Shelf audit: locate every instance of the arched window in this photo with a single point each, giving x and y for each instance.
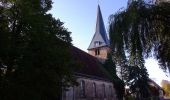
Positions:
(82, 88)
(94, 90)
(97, 51)
(111, 91)
(104, 90)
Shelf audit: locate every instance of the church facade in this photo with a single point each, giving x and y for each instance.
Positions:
(94, 81)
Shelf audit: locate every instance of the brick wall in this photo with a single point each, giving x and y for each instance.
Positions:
(74, 92)
(103, 52)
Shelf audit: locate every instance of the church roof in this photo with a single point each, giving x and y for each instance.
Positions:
(90, 66)
(100, 33)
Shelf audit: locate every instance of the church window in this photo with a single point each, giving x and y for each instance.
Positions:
(97, 52)
(111, 91)
(82, 88)
(94, 90)
(104, 90)
(97, 43)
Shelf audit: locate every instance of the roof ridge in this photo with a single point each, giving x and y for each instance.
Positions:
(90, 64)
(85, 52)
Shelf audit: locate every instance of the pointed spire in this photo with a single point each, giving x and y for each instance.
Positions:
(100, 28)
(100, 36)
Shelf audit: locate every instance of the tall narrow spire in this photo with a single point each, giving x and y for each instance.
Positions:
(100, 38)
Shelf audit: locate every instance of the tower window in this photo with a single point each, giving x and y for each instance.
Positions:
(97, 43)
(97, 52)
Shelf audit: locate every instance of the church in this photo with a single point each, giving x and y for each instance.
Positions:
(93, 79)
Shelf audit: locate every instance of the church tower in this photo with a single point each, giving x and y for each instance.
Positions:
(99, 46)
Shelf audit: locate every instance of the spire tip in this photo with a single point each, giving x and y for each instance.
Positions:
(98, 2)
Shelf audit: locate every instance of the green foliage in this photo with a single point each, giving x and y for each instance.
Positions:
(160, 34)
(34, 50)
(145, 24)
(110, 66)
(140, 31)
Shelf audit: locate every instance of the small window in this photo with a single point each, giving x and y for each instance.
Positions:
(97, 52)
(97, 43)
(94, 90)
(82, 88)
(104, 91)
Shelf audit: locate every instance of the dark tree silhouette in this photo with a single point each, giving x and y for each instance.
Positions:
(140, 31)
(119, 85)
(34, 50)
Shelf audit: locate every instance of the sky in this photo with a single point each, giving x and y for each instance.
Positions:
(79, 17)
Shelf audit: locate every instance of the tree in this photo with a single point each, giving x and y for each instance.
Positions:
(34, 49)
(152, 24)
(140, 31)
(110, 66)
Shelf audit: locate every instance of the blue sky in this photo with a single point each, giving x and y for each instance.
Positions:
(79, 17)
